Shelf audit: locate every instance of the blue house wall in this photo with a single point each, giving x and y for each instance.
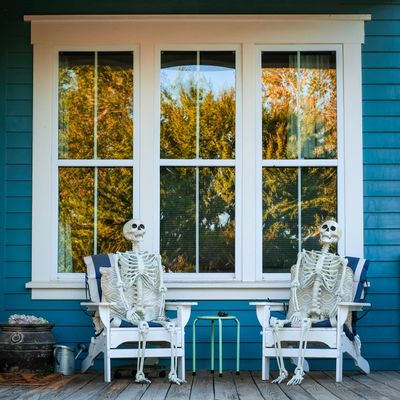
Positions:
(380, 329)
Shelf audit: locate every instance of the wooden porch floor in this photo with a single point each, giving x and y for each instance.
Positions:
(204, 386)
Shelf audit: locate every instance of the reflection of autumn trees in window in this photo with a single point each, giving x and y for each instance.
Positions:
(95, 122)
(197, 123)
(213, 116)
(298, 122)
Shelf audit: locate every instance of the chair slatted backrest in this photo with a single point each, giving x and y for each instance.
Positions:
(93, 275)
(360, 270)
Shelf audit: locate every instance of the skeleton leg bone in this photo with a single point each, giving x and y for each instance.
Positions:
(299, 372)
(143, 331)
(170, 326)
(283, 374)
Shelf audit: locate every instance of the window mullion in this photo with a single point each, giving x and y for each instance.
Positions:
(95, 199)
(197, 157)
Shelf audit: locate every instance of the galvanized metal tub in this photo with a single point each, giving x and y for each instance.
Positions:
(26, 347)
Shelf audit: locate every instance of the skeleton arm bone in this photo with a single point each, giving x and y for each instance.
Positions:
(295, 284)
(162, 288)
(119, 282)
(340, 291)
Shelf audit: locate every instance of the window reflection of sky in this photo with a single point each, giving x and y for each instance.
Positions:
(210, 78)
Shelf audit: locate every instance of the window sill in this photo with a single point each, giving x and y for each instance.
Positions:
(177, 290)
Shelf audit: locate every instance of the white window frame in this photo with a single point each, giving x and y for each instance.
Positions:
(234, 163)
(145, 36)
(88, 163)
(338, 162)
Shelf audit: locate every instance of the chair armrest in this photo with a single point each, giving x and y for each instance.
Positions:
(183, 308)
(354, 306)
(103, 309)
(263, 310)
(344, 309)
(94, 304)
(173, 305)
(274, 306)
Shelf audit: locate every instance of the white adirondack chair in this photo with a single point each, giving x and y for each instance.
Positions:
(108, 338)
(325, 340)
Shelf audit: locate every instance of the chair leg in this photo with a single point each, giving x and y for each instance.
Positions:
(265, 369)
(107, 367)
(339, 368)
(181, 367)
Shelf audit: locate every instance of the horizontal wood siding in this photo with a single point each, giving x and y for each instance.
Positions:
(380, 329)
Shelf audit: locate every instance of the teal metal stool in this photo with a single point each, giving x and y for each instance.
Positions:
(214, 318)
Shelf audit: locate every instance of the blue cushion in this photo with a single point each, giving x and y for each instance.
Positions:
(126, 324)
(329, 323)
(360, 269)
(93, 275)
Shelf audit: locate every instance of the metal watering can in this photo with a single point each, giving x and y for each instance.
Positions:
(64, 359)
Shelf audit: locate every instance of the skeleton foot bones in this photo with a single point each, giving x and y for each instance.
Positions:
(320, 280)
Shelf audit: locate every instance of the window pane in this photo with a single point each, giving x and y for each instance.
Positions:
(317, 85)
(279, 105)
(213, 242)
(114, 208)
(217, 219)
(75, 218)
(280, 218)
(281, 199)
(115, 105)
(95, 105)
(319, 202)
(94, 203)
(76, 105)
(197, 104)
(178, 219)
(299, 116)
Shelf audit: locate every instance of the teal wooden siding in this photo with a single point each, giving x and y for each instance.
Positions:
(380, 329)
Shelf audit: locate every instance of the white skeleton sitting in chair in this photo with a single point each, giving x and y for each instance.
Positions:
(319, 281)
(135, 286)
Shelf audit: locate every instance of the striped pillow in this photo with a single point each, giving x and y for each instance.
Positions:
(360, 269)
(93, 275)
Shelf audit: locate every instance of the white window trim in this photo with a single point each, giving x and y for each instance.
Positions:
(338, 162)
(144, 34)
(235, 163)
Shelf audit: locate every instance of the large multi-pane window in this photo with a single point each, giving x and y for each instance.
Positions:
(231, 137)
(95, 154)
(197, 166)
(299, 151)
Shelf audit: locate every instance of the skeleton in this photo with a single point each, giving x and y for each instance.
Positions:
(136, 289)
(319, 281)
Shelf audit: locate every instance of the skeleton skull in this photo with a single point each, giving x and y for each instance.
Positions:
(330, 232)
(134, 230)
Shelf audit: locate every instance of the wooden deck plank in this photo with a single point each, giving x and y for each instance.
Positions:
(296, 392)
(246, 387)
(85, 392)
(112, 390)
(13, 393)
(134, 391)
(206, 386)
(40, 391)
(203, 386)
(389, 378)
(365, 391)
(378, 386)
(180, 392)
(157, 390)
(318, 391)
(73, 386)
(224, 387)
(267, 389)
(339, 390)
